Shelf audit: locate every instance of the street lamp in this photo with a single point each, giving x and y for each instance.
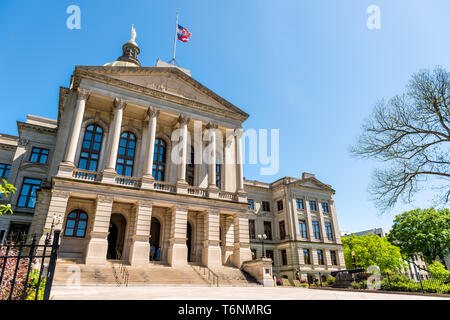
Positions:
(262, 238)
(57, 220)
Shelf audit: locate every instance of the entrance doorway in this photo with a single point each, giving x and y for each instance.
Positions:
(155, 234)
(188, 241)
(116, 237)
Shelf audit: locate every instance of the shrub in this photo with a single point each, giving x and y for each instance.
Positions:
(279, 282)
(304, 284)
(330, 281)
(438, 271)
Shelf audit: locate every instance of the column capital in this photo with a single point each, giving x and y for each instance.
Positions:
(183, 119)
(212, 125)
(238, 132)
(120, 103)
(83, 94)
(152, 112)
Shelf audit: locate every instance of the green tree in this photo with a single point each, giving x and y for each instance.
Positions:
(438, 271)
(5, 190)
(372, 250)
(424, 233)
(410, 135)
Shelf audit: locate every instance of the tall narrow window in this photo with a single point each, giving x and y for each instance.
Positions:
(125, 155)
(333, 257)
(251, 204)
(302, 225)
(190, 168)
(320, 257)
(282, 231)
(90, 149)
(76, 223)
(252, 229)
(300, 204)
(27, 198)
(284, 260)
(268, 229)
(313, 205)
(39, 155)
(306, 256)
(325, 207)
(329, 231)
(316, 229)
(218, 174)
(159, 160)
(266, 206)
(4, 171)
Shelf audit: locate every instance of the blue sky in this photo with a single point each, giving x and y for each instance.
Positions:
(309, 68)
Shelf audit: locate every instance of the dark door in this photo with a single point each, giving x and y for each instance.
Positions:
(112, 241)
(188, 241)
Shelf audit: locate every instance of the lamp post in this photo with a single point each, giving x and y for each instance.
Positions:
(56, 219)
(354, 258)
(262, 237)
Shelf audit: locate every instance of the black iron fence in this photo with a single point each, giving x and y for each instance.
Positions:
(27, 269)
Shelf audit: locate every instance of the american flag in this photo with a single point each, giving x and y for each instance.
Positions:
(183, 34)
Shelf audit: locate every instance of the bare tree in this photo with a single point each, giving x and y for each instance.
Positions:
(410, 133)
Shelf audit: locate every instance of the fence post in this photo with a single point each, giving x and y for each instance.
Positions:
(420, 279)
(52, 264)
(30, 263)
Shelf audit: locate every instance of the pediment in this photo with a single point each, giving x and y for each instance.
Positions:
(167, 80)
(314, 184)
(34, 167)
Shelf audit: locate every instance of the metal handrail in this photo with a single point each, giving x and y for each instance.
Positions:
(213, 278)
(123, 271)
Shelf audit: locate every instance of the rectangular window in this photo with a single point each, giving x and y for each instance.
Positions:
(252, 229)
(266, 206)
(329, 231)
(280, 205)
(306, 256)
(325, 207)
(320, 257)
(284, 257)
(313, 205)
(282, 231)
(39, 155)
(269, 254)
(316, 229)
(300, 204)
(251, 204)
(302, 225)
(333, 257)
(27, 198)
(268, 229)
(4, 170)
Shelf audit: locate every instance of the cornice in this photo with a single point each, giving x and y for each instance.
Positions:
(37, 128)
(83, 72)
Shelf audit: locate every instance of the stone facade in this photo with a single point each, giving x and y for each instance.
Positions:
(288, 206)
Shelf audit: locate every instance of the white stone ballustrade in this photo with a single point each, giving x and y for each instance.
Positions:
(196, 191)
(128, 181)
(165, 186)
(226, 195)
(86, 175)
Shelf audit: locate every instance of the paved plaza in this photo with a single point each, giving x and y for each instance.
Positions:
(220, 293)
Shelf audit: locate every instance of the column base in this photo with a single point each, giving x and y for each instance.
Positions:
(109, 176)
(241, 196)
(182, 187)
(212, 254)
(140, 251)
(177, 253)
(65, 170)
(213, 192)
(97, 249)
(148, 182)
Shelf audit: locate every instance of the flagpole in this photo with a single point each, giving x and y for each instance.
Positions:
(175, 40)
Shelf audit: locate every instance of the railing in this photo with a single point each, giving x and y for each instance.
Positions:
(196, 191)
(207, 274)
(164, 186)
(24, 273)
(81, 174)
(128, 181)
(123, 275)
(227, 195)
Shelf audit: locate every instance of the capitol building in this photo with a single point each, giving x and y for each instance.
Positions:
(143, 157)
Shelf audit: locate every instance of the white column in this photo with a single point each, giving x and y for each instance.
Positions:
(183, 120)
(239, 170)
(212, 161)
(241, 240)
(119, 105)
(140, 247)
(177, 251)
(212, 255)
(147, 179)
(83, 95)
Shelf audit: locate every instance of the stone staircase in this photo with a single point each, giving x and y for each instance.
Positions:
(230, 276)
(152, 274)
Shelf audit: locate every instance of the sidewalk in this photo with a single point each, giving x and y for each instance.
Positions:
(215, 293)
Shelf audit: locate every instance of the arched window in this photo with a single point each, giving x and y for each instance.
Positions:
(125, 156)
(76, 224)
(190, 168)
(90, 149)
(159, 160)
(218, 174)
